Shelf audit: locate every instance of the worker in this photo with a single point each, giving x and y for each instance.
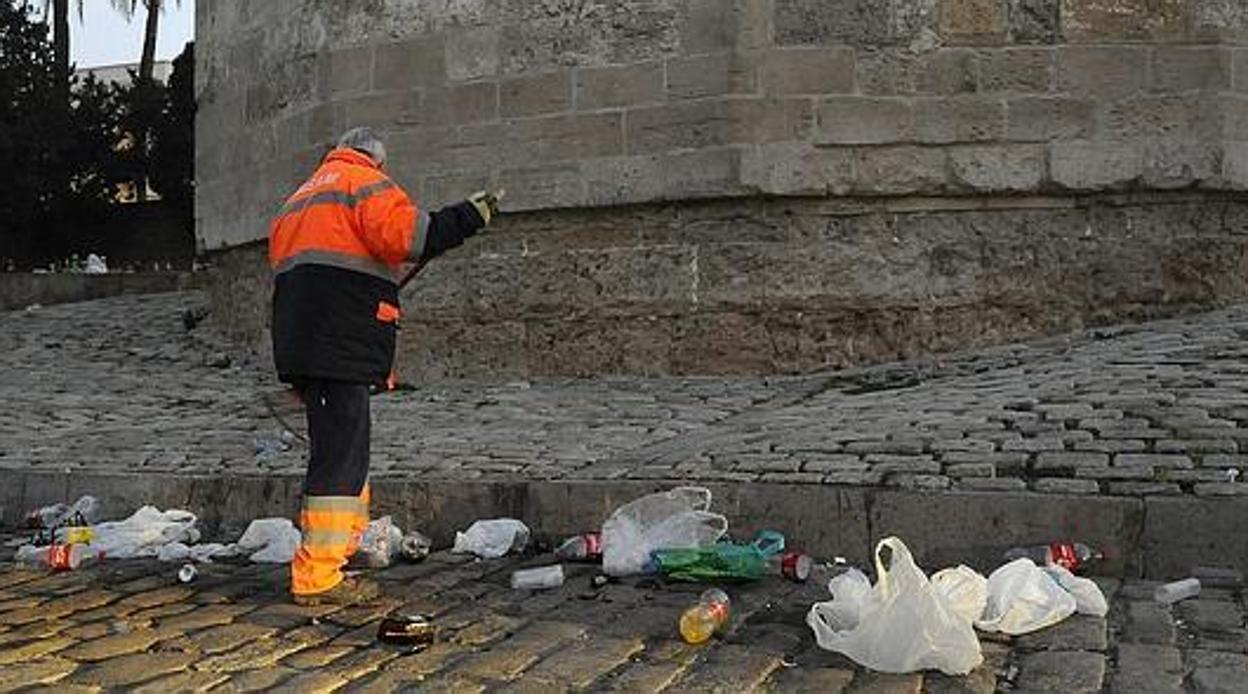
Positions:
(336, 248)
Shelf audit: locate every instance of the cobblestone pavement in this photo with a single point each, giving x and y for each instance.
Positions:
(1159, 408)
(131, 625)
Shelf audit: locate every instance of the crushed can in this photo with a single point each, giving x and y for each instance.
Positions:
(415, 631)
(415, 546)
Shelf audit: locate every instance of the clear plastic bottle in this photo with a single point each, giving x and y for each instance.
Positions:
(1171, 593)
(1071, 555)
(794, 566)
(540, 578)
(703, 620)
(583, 547)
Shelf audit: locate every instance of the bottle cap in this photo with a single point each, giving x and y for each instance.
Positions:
(795, 566)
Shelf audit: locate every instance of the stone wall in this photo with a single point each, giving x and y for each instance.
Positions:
(711, 186)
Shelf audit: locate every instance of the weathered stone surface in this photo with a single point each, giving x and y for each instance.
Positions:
(1064, 671)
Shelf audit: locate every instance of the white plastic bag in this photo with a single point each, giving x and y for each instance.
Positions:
(178, 551)
(964, 588)
(1022, 598)
(270, 541)
(676, 519)
(1089, 599)
(381, 542)
(903, 624)
(491, 539)
(144, 533)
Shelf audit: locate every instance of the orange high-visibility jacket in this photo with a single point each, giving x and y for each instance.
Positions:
(335, 248)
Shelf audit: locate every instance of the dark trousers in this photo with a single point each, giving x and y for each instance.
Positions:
(338, 434)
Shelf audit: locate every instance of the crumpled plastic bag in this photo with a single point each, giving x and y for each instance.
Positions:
(144, 533)
(675, 519)
(270, 541)
(381, 541)
(964, 588)
(203, 553)
(902, 624)
(1022, 598)
(1089, 599)
(491, 539)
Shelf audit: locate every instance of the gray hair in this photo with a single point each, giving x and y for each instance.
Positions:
(366, 141)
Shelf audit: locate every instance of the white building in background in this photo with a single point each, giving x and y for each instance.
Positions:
(120, 73)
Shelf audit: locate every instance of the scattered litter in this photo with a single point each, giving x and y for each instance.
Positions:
(583, 547)
(145, 532)
(270, 444)
(415, 546)
(538, 579)
(676, 519)
(56, 557)
(899, 625)
(707, 618)
(203, 553)
(381, 542)
(407, 630)
(84, 511)
(727, 561)
(1089, 599)
(1171, 593)
(1072, 555)
(270, 541)
(491, 539)
(1022, 598)
(187, 573)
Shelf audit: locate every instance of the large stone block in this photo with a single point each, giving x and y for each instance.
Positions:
(532, 95)
(973, 21)
(1033, 21)
(1239, 69)
(1102, 72)
(807, 71)
(1025, 70)
(949, 71)
(407, 64)
(853, 22)
(348, 71)
(863, 120)
(538, 187)
(619, 86)
(472, 54)
(900, 170)
(472, 102)
(709, 26)
(1190, 69)
(887, 72)
(958, 119)
(711, 123)
(1090, 165)
(590, 346)
(999, 168)
(797, 168)
(1160, 116)
(717, 74)
(1109, 20)
(1040, 119)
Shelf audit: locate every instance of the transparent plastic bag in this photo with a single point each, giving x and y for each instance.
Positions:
(1088, 597)
(903, 624)
(676, 519)
(270, 541)
(144, 533)
(381, 542)
(1022, 598)
(491, 539)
